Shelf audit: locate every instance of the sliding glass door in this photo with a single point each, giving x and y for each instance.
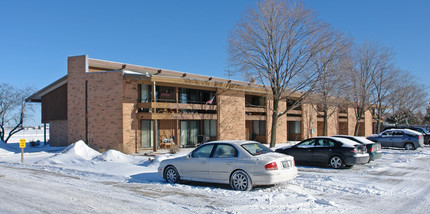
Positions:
(189, 132)
(147, 139)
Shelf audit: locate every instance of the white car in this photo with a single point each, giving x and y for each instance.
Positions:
(242, 164)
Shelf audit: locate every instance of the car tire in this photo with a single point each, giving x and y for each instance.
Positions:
(409, 146)
(171, 175)
(240, 180)
(336, 162)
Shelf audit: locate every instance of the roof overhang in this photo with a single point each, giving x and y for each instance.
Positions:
(37, 97)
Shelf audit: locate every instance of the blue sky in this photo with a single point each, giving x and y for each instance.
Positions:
(36, 37)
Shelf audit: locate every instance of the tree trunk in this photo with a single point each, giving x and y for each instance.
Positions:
(357, 127)
(274, 122)
(325, 130)
(378, 124)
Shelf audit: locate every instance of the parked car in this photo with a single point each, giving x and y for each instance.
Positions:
(373, 148)
(242, 164)
(423, 131)
(334, 151)
(401, 138)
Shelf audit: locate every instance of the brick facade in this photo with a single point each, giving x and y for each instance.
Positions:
(231, 114)
(309, 121)
(58, 133)
(77, 66)
(103, 109)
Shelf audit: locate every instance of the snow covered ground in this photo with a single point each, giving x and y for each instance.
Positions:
(78, 179)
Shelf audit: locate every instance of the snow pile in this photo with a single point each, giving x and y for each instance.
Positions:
(82, 150)
(78, 152)
(115, 156)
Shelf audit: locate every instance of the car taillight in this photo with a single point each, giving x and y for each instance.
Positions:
(371, 149)
(354, 150)
(418, 137)
(271, 166)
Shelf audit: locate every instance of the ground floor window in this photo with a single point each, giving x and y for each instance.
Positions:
(294, 130)
(259, 127)
(190, 130)
(147, 133)
(209, 128)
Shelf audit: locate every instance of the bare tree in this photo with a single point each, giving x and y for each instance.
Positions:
(384, 79)
(368, 60)
(407, 98)
(12, 110)
(277, 43)
(331, 84)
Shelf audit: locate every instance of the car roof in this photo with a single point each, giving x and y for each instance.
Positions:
(236, 142)
(408, 131)
(342, 140)
(361, 139)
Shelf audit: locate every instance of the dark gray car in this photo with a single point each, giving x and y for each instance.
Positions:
(401, 138)
(373, 148)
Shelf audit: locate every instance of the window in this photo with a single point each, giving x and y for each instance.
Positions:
(210, 128)
(324, 143)
(225, 151)
(145, 93)
(254, 101)
(147, 134)
(203, 152)
(165, 94)
(307, 143)
(256, 149)
(294, 127)
(259, 127)
(387, 134)
(189, 132)
(397, 134)
(195, 96)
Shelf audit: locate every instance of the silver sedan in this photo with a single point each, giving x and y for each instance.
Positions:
(242, 164)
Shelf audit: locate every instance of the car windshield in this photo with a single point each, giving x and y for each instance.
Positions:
(256, 149)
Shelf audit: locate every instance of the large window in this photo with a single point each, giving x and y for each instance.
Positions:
(147, 134)
(259, 127)
(165, 94)
(254, 101)
(210, 128)
(294, 127)
(189, 132)
(145, 93)
(195, 96)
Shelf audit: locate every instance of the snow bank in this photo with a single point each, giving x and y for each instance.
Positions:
(115, 156)
(82, 150)
(78, 152)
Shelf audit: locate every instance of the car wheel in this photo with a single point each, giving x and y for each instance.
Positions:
(171, 175)
(336, 162)
(409, 146)
(240, 180)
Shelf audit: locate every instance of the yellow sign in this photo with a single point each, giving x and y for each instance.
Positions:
(22, 143)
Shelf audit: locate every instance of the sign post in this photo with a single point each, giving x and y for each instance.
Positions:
(22, 146)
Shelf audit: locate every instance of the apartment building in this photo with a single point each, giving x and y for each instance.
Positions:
(133, 108)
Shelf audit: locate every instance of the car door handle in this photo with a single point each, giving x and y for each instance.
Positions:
(203, 162)
(229, 163)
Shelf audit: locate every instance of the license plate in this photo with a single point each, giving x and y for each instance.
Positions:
(286, 164)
